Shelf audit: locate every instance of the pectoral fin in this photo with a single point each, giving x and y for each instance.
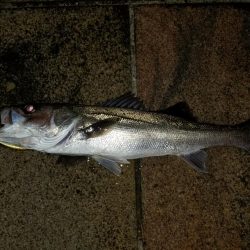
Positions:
(112, 164)
(197, 160)
(98, 128)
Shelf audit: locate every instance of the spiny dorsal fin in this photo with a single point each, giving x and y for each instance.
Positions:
(98, 128)
(128, 101)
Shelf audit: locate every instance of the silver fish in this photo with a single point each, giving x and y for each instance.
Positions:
(115, 132)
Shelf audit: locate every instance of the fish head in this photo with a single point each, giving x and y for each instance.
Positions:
(18, 122)
(34, 127)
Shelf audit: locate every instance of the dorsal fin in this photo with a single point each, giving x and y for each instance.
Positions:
(128, 101)
(180, 110)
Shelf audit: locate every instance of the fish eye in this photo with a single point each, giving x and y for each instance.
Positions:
(29, 109)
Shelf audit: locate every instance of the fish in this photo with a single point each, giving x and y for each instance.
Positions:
(116, 132)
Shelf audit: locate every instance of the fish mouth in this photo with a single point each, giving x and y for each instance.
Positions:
(5, 117)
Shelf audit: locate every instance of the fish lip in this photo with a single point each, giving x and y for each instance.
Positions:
(5, 117)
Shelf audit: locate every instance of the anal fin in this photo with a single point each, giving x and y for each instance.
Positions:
(197, 160)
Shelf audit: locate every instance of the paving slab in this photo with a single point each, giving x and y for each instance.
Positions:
(67, 56)
(200, 55)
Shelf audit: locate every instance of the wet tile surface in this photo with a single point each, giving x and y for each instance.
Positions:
(199, 55)
(70, 56)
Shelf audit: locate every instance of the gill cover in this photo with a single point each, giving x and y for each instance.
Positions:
(16, 117)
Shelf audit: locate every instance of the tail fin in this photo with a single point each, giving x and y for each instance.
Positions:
(245, 127)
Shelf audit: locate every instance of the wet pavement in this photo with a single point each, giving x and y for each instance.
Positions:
(89, 52)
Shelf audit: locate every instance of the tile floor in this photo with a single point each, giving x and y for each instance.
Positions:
(60, 51)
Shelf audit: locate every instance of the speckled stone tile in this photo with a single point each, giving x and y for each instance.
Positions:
(200, 55)
(77, 55)
(70, 56)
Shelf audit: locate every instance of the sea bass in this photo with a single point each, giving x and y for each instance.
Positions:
(118, 131)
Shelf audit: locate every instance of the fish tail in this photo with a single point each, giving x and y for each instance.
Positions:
(245, 129)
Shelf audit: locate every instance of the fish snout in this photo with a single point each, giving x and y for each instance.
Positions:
(5, 117)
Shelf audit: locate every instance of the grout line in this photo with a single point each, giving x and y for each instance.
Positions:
(138, 204)
(138, 183)
(81, 3)
(132, 49)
